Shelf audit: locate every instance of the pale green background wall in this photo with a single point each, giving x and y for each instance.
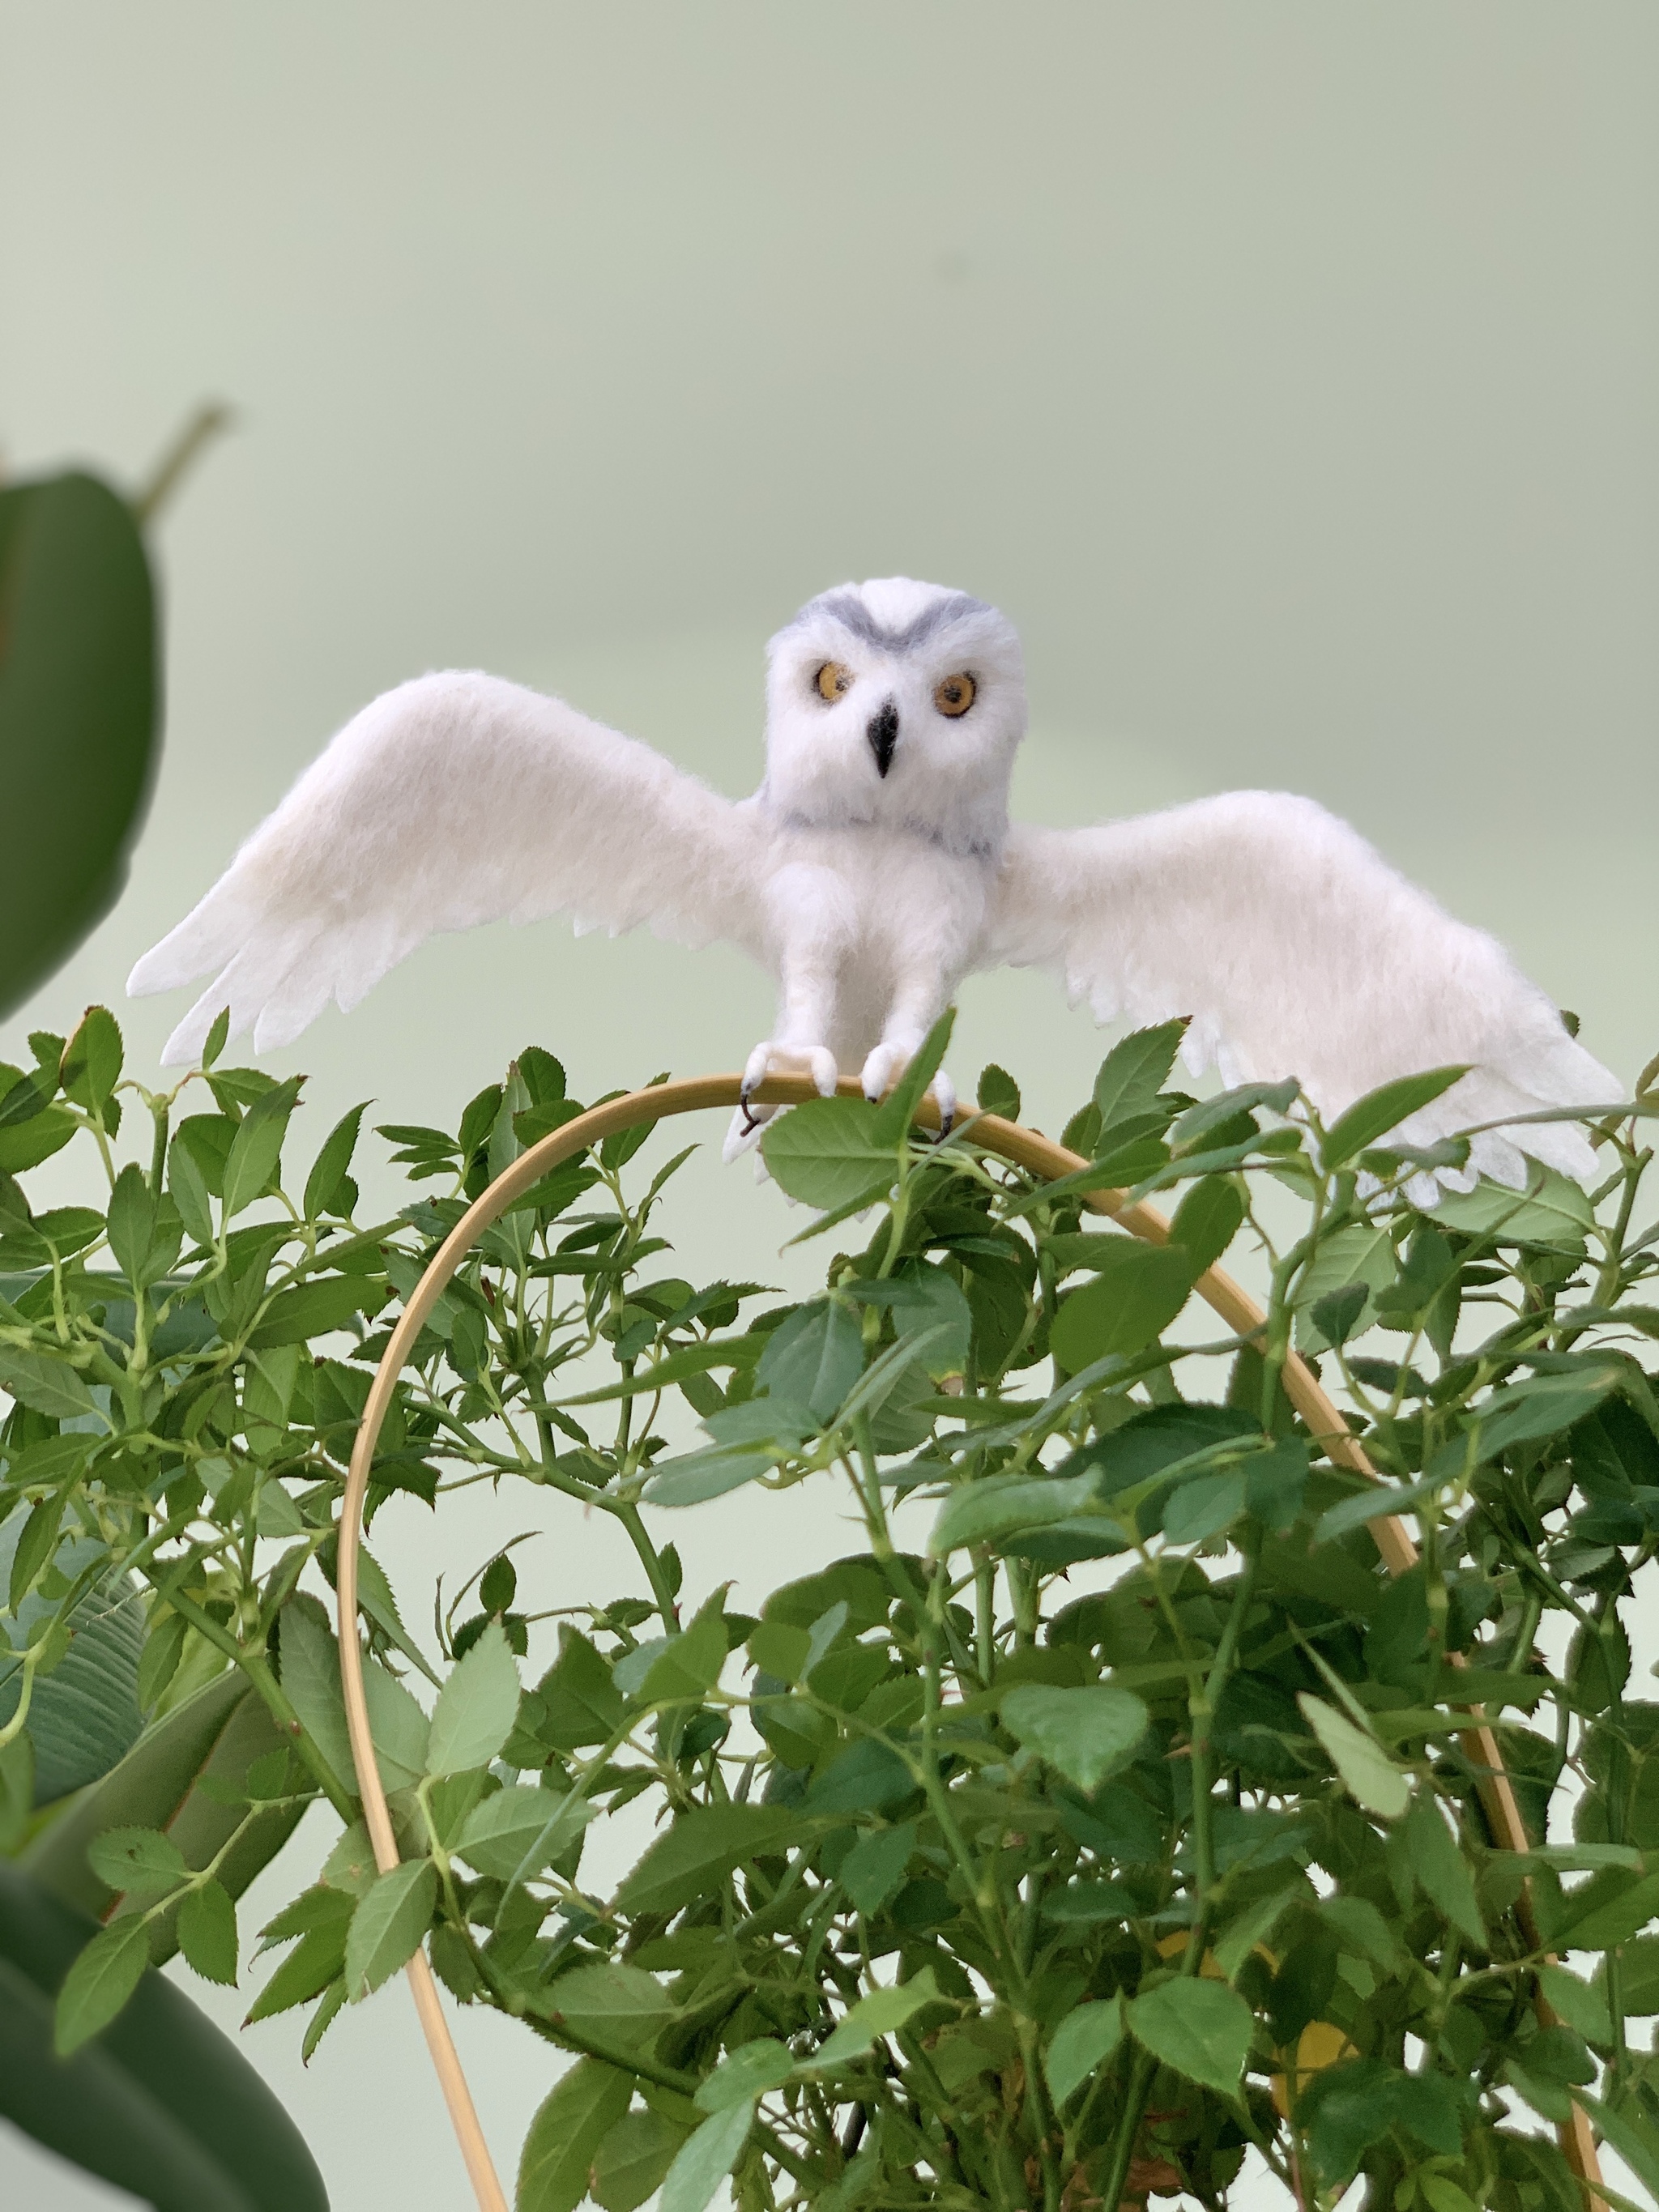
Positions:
(1288, 372)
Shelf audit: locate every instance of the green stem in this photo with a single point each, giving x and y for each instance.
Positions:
(651, 1560)
(1128, 2128)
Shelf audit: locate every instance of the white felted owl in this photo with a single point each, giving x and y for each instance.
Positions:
(873, 869)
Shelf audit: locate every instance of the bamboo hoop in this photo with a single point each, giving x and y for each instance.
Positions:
(1025, 1148)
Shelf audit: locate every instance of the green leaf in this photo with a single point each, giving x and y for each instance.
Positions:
(1633, 2141)
(694, 1858)
(311, 1676)
(816, 1356)
(1347, 2108)
(36, 1546)
(1543, 1406)
(706, 2158)
(880, 2014)
(1081, 2045)
(1363, 1255)
(475, 1707)
(1083, 1733)
(1594, 1921)
(145, 1230)
(188, 1189)
(678, 1367)
(92, 1060)
(99, 1984)
(631, 2162)
(44, 1384)
(621, 2006)
(387, 1925)
(983, 1511)
(161, 2104)
(998, 1092)
(696, 1477)
(583, 2106)
(1207, 1221)
(1370, 1118)
(207, 1933)
(828, 1153)
(80, 719)
(1203, 1508)
(867, 1778)
(1372, 1504)
(1442, 1872)
(744, 2074)
(1552, 1210)
(1202, 2029)
(515, 1832)
(140, 1861)
(1134, 1298)
(582, 1705)
(875, 1866)
(1370, 1777)
(329, 1168)
(257, 1147)
(687, 1665)
(315, 1308)
(1133, 1072)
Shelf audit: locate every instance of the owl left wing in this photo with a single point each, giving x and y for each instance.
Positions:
(1295, 949)
(455, 800)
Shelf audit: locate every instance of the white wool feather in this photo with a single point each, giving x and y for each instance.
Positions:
(872, 869)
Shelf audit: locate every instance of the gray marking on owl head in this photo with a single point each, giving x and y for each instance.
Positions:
(850, 612)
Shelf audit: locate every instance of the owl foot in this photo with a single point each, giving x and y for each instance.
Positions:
(816, 1060)
(883, 1069)
(767, 1060)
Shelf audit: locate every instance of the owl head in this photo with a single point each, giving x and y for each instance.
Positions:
(896, 703)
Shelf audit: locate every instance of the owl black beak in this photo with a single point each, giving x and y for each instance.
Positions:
(883, 733)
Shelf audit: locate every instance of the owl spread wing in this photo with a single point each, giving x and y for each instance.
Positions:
(1297, 950)
(455, 800)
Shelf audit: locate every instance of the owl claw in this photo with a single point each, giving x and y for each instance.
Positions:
(883, 1069)
(815, 1061)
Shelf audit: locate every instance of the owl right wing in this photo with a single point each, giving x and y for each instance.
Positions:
(1295, 949)
(455, 800)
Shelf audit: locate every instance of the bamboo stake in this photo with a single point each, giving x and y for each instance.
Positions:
(1025, 1148)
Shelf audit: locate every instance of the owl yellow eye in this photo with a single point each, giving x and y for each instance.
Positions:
(834, 681)
(954, 696)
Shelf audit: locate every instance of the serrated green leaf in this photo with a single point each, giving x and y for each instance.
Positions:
(1082, 1733)
(572, 2121)
(1370, 1118)
(1132, 1299)
(828, 1153)
(1081, 2045)
(1369, 1776)
(387, 1925)
(207, 1933)
(475, 1707)
(99, 1984)
(880, 2014)
(631, 2162)
(705, 2159)
(44, 1385)
(1202, 2029)
(694, 1858)
(140, 1861)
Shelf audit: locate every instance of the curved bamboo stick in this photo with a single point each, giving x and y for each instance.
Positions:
(1026, 1148)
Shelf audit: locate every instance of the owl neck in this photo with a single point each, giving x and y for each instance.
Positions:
(970, 831)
